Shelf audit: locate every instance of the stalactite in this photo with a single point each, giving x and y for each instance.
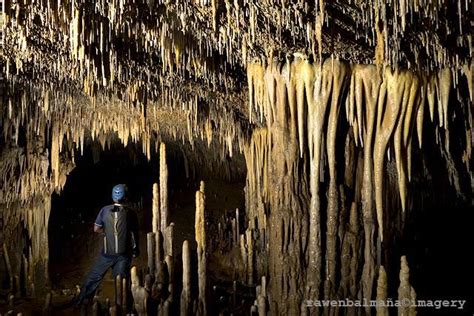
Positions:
(402, 134)
(303, 75)
(469, 73)
(444, 89)
(382, 110)
(339, 76)
(316, 115)
(420, 114)
(365, 85)
(55, 153)
(391, 92)
(320, 4)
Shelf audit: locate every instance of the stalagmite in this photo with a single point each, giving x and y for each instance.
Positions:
(250, 256)
(11, 301)
(118, 291)
(405, 290)
(96, 308)
(48, 303)
(151, 246)
(237, 228)
(112, 311)
(162, 276)
(125, 289)
(159, 249)
(170, 267)
(169, 232)
(186, 291)
(381, 309)
(163, 188)
(156, 220)
(350, 255)
(200, 232)
(8, 265)
(243, 251)
(139, 293)
(261, 298)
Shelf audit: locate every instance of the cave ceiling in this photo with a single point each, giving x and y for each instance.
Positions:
(154, 70)
(173, 51)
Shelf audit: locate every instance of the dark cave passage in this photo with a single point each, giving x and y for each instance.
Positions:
(74, 247)
(73, 244)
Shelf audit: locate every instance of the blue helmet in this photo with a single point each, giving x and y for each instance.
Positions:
(118, 192)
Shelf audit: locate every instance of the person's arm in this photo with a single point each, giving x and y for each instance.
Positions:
(99, 222)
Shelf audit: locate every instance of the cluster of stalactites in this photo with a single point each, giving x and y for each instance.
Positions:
(62, 122)
(257, 157)
(34, 216)
(82, 41)
(85, 38)
(383, 107)
(420, 26)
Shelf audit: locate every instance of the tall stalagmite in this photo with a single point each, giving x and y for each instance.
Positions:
(200, 232)
(163, 189)
(186, 302)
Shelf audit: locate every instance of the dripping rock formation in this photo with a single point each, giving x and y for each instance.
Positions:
(284, 157)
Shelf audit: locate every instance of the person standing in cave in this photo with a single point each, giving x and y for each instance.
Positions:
(119, 226)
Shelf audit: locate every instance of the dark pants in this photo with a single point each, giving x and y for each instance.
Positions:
(120, 265)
